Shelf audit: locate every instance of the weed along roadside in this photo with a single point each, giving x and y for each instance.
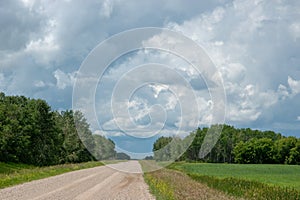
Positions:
(171, 184)
(185, 181)
(13, 174)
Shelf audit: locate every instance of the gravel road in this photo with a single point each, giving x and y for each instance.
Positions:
(104, 182)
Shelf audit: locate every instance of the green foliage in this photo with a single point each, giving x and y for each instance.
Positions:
(283, 148)
(28, 131)
(33, 134)
(44, 140)
(161, 148)
(233, 146)
(104, 148)
(74, 144)
(148, 158)
(122, 156)
(294, 155)
(170, 148)
(257, 151)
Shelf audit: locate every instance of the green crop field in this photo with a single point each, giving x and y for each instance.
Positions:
(280, 175)
(250, 181)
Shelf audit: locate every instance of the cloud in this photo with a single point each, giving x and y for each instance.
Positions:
(238, 38)
(64, 80)
(157, 94)
(283, 91)
(250, 93)
(235, 72)
(107, 8)
(39, 84)
(294, 85)
(158, 89)
(43, 50)
(254, 45)
(295, 30)
(44, 36)
(19, 25)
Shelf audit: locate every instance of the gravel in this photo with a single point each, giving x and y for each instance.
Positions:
(115, 181)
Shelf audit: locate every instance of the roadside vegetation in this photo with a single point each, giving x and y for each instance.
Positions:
(244, 146)
(13, 174)
(160, 188)
(31, 133)
(244, 163)
(167, 184)
(229, 181)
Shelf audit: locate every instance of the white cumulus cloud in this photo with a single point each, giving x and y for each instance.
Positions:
(64, 80)
(294, 85)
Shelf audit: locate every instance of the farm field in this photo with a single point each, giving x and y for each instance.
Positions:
(246, 181)
(278, 175)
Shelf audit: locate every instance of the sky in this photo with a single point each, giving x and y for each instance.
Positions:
(253, 44)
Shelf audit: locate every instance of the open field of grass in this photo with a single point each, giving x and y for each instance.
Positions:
(13, 174)
(247, 181)
(280, 175)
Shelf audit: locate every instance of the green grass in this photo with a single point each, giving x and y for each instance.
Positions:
(247, 181)
(8, 168)
(278, 175)
(13, 174)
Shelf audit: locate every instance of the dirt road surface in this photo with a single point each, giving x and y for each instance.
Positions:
(104, 182)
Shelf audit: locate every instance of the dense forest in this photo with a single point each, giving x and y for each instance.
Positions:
(31, 133)
(233, 146)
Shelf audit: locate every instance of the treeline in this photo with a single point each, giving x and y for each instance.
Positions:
(122, 156)
(233, 146)
(31, 133)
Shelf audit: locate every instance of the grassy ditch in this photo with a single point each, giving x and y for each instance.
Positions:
(13, 174)
(166, 184)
